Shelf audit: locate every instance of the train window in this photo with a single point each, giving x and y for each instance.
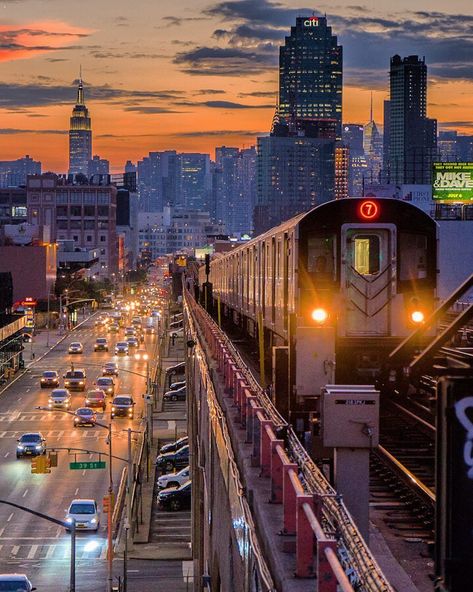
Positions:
(321, 256)
(366, 260)
(413, 265)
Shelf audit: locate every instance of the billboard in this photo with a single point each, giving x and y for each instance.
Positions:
(452, 181)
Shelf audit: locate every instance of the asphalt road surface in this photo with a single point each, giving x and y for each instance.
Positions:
(34, 546)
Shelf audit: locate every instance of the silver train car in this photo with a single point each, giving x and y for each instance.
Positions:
(336, 288)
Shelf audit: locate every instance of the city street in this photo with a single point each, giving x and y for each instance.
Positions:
(32, 545)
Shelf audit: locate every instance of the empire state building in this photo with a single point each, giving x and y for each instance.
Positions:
(80, 135)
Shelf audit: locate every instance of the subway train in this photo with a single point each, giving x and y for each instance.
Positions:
(335, 288)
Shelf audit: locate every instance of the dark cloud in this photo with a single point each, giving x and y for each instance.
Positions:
(260, 93)
(133, 55)
(455, 124)
(212, 133)
(176, 21)
(210, 91)
(39, 95)
(369, 40)
(150, 110)
(12, 131)
(225, 61)
(122, 21)
(232, 105)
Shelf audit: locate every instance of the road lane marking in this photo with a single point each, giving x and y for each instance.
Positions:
(50, 552)
(7, 454)
(32, 552)
(15, 550)
(83, 473)
(10, 517)
(26, 492)
(77, 491)
(1, 531)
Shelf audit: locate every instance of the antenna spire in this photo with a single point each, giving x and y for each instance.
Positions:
(80, 89)
(371, 107)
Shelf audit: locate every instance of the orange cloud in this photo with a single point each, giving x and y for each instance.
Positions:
(29, 40)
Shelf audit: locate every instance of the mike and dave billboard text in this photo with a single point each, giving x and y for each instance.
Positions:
(452, 181)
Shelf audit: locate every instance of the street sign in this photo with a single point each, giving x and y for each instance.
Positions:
(90, 464)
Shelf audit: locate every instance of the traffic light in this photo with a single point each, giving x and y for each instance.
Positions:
(52, 456)
(40, 464)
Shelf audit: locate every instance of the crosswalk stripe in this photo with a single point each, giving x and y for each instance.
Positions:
(50, 552)
(15, 550)
(32, 552)
(103, 554)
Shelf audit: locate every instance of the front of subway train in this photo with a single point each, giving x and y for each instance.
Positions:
(367, 278)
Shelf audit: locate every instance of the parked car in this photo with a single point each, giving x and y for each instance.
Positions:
(173, 460)
(76, 348)
(31, 444)
(177, 385)
(176, 498)
(123, 406)
(101, 344)
(174, 373)
(75, 380)
(49, 378)
(176, 395)
(172, 446)
(85, 513)
(110, 369)
(174, 479)
(59, 398)
(106, 384)
(15, 583)
(121, 348)
(85, 416)
(96, 398)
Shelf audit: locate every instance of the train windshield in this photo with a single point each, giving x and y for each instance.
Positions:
(366, 254)
(321, 256)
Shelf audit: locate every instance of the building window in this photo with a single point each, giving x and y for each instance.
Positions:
(61, 197)
(61, 211)
(103, 198)
(76, 197)
(89, 211)
(89, 224)
(75, 237)
(88, 238)
(89, 197)
(103, 238)
(103, 251)
(62, 224)
(102, 211)
(76, 211)
(75, 224)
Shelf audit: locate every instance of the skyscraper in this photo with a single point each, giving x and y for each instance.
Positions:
(310, 73)
(373, 148)
(413, 136)
(80, 135)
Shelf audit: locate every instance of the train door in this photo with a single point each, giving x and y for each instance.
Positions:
(368, 274)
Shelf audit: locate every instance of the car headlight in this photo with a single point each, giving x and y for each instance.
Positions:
(38, 447)
(87, 401)
(67, 383)
(110, 389)
(20, 447)
(81, 382)
(93, 521)
(69, 520)
(43, 380)
(113, 408)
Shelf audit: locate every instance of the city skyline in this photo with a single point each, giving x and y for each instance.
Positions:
(157, 80)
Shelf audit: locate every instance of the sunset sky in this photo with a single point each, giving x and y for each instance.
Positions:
(190, 75)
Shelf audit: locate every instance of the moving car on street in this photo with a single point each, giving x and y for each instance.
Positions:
(50, 378)
(85, 416)
(96, 398)
(123, 406)
(106, 384)
(132, 342)
(110, 369)
(85, 513)
(122, 349)
(176, 498)
(31, 444)
(75, 380)
(173, 460)
(15, 583)
(174, 479)
(76, 347)
(114, 328)
(101, 344)
(59, 398)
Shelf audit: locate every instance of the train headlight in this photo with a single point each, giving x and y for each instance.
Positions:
(417, 317)
(319, 315)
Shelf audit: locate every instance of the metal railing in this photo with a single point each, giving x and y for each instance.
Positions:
(353, 553)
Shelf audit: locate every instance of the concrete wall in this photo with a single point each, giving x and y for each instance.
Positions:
(33, 269)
